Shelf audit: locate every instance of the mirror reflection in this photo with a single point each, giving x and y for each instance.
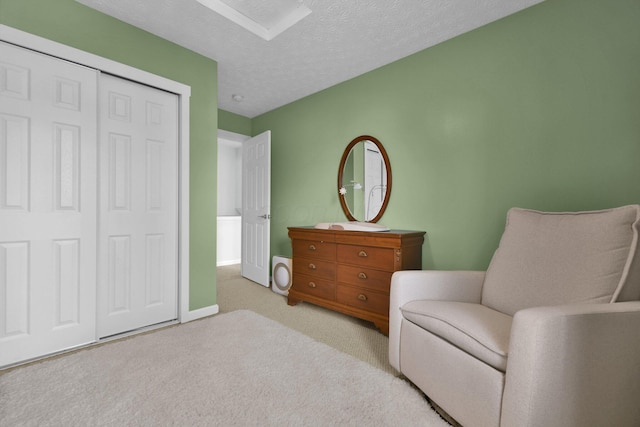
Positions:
(364, 179)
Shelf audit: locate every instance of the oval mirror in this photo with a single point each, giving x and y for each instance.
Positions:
(364, 180)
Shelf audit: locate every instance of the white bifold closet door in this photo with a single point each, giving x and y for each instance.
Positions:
(47, 204)
(88, 205)
(137, 271)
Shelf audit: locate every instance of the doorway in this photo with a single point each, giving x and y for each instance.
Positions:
(229, 220)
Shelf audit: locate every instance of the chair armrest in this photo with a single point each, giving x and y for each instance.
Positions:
(411, 285)
(574, 365)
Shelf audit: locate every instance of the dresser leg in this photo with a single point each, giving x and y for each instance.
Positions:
(382, 326)
(292, 301)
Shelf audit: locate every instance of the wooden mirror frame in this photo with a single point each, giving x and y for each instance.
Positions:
(387, 164)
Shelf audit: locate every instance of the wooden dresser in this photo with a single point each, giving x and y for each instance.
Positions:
(350, 271)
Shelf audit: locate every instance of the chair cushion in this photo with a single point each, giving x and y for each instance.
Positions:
(552, 258)
(473, 328)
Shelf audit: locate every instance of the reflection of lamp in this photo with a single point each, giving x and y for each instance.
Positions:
(354, 184)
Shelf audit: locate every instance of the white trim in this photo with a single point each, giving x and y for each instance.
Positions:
(67, 53)
(232, 136)
(200, 313)
(51, 48)
(183, 242)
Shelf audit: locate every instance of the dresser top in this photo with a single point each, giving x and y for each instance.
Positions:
(374, 238)
(321, 230)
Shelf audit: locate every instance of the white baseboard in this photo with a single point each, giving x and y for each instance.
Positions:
(200, 313)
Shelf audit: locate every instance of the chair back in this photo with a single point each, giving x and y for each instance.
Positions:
(553, 258)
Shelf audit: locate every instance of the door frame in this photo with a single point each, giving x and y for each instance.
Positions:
(49, 47)
(234, 138)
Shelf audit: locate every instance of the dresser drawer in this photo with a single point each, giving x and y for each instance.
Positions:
(363, 299)
(364, 277)
(314, 249)
(316, 268)
(368, 256)
(314, 286)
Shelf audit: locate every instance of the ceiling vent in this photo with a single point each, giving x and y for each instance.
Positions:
(266, 19)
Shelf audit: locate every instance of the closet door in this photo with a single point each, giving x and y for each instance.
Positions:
(47, 204)
(138, 252)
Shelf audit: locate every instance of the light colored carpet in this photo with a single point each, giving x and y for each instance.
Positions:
(356, 337)
(233, 369)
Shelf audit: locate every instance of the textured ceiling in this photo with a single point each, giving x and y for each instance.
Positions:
(339, 40)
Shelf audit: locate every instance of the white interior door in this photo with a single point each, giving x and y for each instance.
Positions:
(47, 204)
(138, 253)
(256, 207)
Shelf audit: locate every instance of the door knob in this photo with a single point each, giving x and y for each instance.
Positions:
(265, 216)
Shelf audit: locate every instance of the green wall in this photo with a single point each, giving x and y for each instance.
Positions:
(76, 25)
(538, 110)
(234, 122)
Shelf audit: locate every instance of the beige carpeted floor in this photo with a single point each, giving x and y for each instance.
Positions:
(233, 369)
(353, 336)
(158, 378)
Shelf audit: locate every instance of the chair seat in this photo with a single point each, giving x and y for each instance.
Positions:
(478, 330)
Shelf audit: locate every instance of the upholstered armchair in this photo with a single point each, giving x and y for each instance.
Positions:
(548, 336)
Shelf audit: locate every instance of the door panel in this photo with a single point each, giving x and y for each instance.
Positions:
(256, 208)
(138, 281)
(47, 204)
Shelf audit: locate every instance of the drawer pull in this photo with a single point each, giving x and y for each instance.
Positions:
(312, 285)
(362, 276)
(362, 297)
(312, 266)
(312, 247)
(362, 254)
